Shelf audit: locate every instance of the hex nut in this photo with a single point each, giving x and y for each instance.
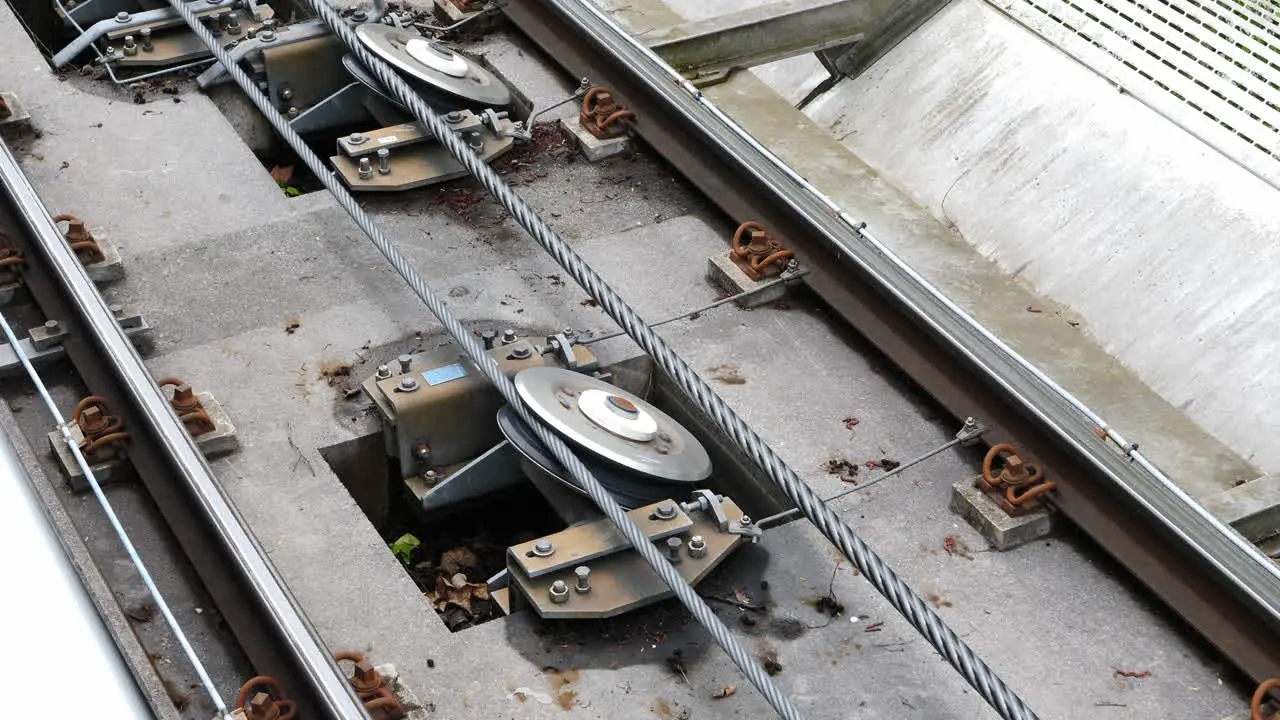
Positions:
(559, 592)
(697, 547)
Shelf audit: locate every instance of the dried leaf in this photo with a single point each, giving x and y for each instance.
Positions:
(282, 173)
(724, 692)
(457, 592)
(458, 560)
(742, 598)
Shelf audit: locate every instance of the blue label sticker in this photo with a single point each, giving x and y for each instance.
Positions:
(444, 373)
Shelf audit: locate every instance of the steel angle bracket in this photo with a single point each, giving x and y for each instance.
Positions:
(619, 579)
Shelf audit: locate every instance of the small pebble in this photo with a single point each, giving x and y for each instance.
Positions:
(764, 584)
(431, 663)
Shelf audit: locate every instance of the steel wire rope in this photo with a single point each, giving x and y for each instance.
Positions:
(475, 351)
(945, 640)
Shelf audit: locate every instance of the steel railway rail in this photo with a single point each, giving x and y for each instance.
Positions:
(273, 632)
(1219, 582)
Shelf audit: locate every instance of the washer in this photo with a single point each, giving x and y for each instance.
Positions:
(434, 67)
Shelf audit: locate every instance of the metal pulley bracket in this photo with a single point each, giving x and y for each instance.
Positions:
(548, 573)
(411, 160)
(562, 348)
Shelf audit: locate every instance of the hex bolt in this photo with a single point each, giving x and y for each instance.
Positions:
(508, 337)
(745, 521)
(408, 384)
(569, 334)
(261, 706)
(422, 451)
(697, 547)
(130, 47)
(365, 169)
(583, 573)
(673, 549)
(145, 33)
(269, 24)
(357, 139)
(453, 117)
(51, 327)
(286, 92)
(406, 361)
(490, 338)
(384, 372)
(666, 510)
(212, 25)
(233, 25)
(521, 353)
(474, 141)
(544, 548)
(123, 17)
(366, 677)
(293, 112)
(384, 161)
(360, 16)
(267, 36)
(559, 592)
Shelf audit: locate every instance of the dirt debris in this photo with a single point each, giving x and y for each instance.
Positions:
(955, 546)
(291, 325)
(727, 375)
(724, 692)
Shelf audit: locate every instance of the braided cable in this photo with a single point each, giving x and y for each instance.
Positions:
(978, 674)
(489, 366)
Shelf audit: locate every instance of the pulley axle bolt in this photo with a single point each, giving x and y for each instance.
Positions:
(357, 139)
(384, 161)
(508, 337)
(544, 548)
(130, 47)
(583, 573)
(408, 384)
(365, 169)
(384, 372)
(697, 547)
(123, 17)
(267, 35)
(673, 549)
(666, 511)
(145, 33)
(559, 592)
(406, 361)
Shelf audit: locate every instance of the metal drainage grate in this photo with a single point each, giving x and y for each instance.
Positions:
(1211, 66)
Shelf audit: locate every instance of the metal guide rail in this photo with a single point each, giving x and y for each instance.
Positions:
(1208, 573)
(257, 606)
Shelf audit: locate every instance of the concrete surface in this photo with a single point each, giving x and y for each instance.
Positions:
(221, 262)
(1161, 246)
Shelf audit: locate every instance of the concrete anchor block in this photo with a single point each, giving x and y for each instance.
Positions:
(1252, 508)
(111, 269)
(112, 471)
(17, 111)
(222, 440)
(1000, 529)
(414, 710)
(593, 148)
(729, 277)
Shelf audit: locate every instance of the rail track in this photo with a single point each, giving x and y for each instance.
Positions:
(1221, 584)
